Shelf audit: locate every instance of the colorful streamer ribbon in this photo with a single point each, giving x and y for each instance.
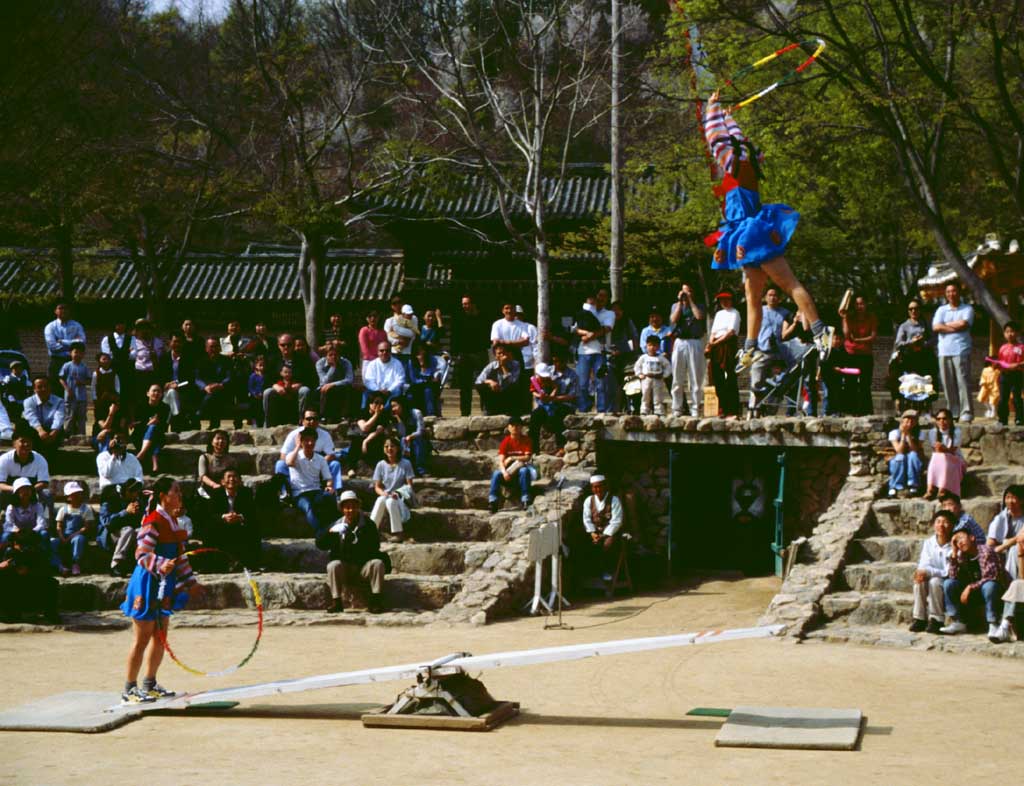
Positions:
(789, 77)
(162, 635)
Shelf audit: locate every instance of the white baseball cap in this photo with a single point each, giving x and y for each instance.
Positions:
(73, 487)
(407, 309)
(520, 310)
(21, 483)
(347, 495)
(543, 370)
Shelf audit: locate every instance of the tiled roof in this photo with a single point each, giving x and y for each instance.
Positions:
(351, 275)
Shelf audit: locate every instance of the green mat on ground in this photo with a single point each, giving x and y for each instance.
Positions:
(710, 712)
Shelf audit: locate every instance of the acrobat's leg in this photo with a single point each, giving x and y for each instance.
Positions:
(779, 271)
(754, 280)
(142, 633)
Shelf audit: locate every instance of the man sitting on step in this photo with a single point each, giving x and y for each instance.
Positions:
(353, 544)
(932, 569)
(964, 521)
(976, 573)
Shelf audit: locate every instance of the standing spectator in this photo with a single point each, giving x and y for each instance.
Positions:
(16, 386)
(952, 322)
(76, 523)
(150, 427)
(118, 344)
(432, 332)
(859, 332)
(24, 512)
(594, 334)
(412, 434)
(469, 341)
(145, 354)
(530, 349)
(305, 362)
(176, 371)
(554, 402)
(191, 343)
(324, 447)
(230, 522)
(425, 380)
(510, 333)
(652, 369)
(392, 482)
(214, 463)
(907, 464)
(625, 346)
(115, 466)
(106, 387)
(515, 466)
(723, 344)
(402, 328)
(370, 337)
(384, 375)
(656, 326)
(353, 546)
(310, 479)
(60, 334)
(23, 462)
(975, 572)
(837, 380)
(913, 349)
(120, 516)
(774, 320)
(234, 349)
(688, 364)
(286, 354)
(335, 388)
(255, 388)
(499, 386)
(1011, 377)
(213, 378)
(45, 413)
(334, 335)
(75, 379)
(932, 571)
(946, 467)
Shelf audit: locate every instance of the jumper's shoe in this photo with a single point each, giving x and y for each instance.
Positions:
(823, 342)
(918, 626)
(953, 628)
(745, 358)
(160, 692)
(999, 634)
(135, 695)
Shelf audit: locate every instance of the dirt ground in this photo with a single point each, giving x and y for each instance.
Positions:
(612, 720)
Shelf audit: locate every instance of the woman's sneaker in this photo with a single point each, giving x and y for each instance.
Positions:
(823, 342)
(134, 695)
(160, 692)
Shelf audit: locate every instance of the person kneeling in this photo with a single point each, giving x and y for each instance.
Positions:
(353, 544)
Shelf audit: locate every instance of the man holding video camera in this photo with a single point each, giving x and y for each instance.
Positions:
(688, 362)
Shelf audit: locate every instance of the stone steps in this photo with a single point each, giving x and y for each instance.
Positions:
(302, 556)
(278, 590)
(882, 636)
(880, 576)
(991, 480)
(914, 516)
(886, 548)
(868, 608)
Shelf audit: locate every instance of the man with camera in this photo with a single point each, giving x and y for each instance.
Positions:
(688, 363)
(116, 465)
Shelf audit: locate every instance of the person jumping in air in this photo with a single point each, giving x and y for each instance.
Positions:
(753, 237)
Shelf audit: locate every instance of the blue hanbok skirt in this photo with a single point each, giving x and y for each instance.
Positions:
(752, 233)
(141, 602)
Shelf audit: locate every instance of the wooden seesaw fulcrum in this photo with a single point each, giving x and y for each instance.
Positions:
(444, 695)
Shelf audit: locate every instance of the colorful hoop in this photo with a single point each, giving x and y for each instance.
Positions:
(789, 77)
(162, 635)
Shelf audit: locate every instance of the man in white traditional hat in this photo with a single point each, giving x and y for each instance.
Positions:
(353, 543)
(602, 520)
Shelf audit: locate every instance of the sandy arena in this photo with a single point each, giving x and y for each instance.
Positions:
(614, 720)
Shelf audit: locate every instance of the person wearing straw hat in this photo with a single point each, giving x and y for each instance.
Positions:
(721, 348)
(353, 544)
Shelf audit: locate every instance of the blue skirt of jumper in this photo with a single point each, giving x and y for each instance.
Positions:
(140, 602)
(752, 233)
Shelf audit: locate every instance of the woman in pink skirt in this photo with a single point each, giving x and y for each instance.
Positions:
(947, 467)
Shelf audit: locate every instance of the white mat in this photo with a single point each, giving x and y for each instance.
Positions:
(812, 728)
(79, 711)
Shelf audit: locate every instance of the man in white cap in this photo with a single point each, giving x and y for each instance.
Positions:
(353, 543)
(602, 520)
(553, 404)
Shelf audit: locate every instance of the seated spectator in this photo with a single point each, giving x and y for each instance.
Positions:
(1011, 376)
(26, 578)
(312, 487)
(1005, 534)
(412, 434)
(964, 521)
(116, 422)
(906, 466)
(555, 394)
(392, 482)
(913, 349)
(370, 338)
(335, 376)
(6, 425)
(284, 397)
(213, 378)
(652, 369)
(24, 512)
(23, 462)
(230, 522)
(602, 520)
(286, 355)
(499, 386)
(75, 378)
(425, 374)
(150, 427)
(115, 465)
(304, 362)
(515, 466)
(45, 413)
(176, 371)
(324, 447)
(353, 546)
(932, 569)
(255, 387)
(373, 428)
(120, 516)
(386, 375)
(106, 387)
(214, 463)
(76, 523)
(946, 468)
(976, 572)
(15, 387)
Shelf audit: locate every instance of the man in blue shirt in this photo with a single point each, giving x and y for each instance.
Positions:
(952, 324)
(45, 413)
(60, 335)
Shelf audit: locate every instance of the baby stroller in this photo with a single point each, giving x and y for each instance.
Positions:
(916, 391)
(786, 388)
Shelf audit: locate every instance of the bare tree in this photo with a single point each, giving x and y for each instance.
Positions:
(505, 80)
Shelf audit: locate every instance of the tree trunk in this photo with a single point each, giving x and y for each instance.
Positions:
(311, 284)
(617, 206)
(65, 263)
